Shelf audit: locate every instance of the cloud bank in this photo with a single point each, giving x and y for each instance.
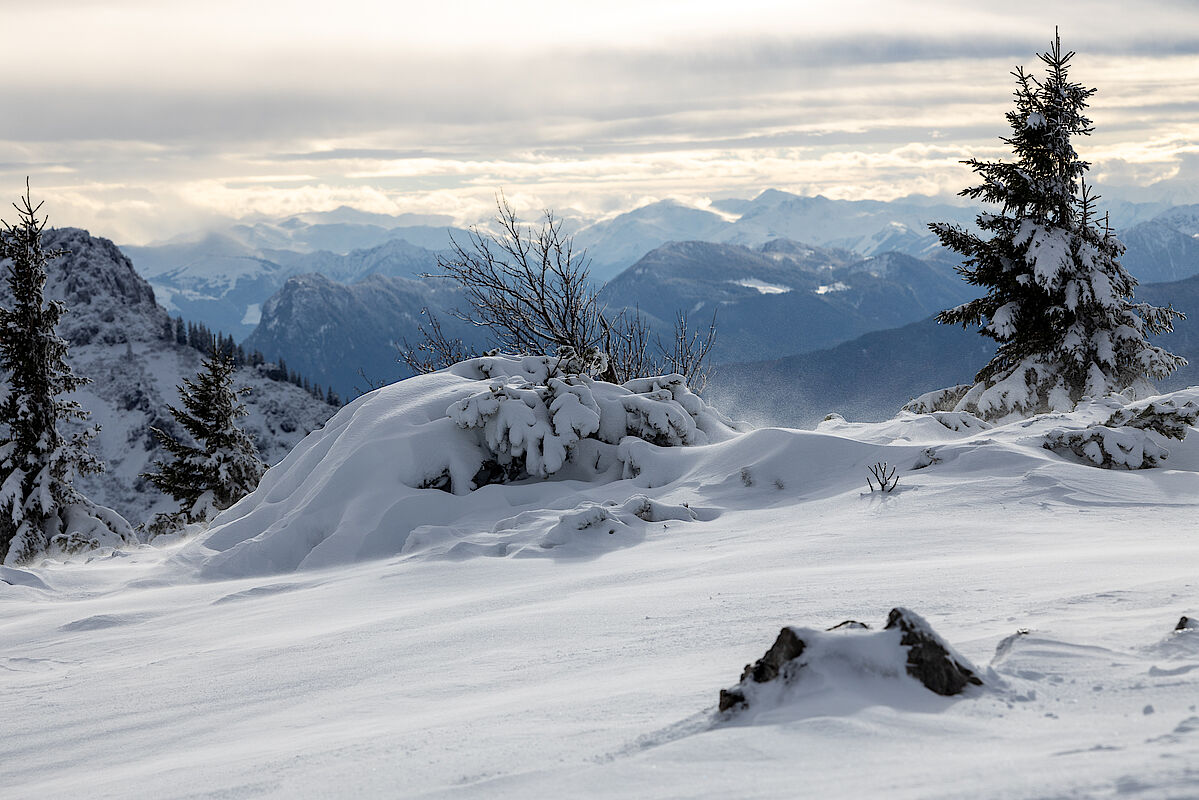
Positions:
(142, 119)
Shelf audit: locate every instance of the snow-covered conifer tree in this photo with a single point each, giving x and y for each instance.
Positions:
(223, 466)
(1058, 302)
(39, 507)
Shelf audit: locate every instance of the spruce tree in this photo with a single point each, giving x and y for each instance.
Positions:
(222, 466)
(39, 507)
(1058, 302)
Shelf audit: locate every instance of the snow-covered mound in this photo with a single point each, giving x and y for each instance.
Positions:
(404, 468)
(510, 457)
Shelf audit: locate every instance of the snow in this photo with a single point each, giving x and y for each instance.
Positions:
(838, 286)
(762, 286)
(253, 314)
(1048, 250)
(356, 488)
(339, 633)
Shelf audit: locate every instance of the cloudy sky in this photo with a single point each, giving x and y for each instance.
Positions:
(140, 119)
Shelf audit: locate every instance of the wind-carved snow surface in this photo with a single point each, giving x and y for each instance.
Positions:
(569, 635)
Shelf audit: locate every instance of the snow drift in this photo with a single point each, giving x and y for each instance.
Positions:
(510, 457)
(360, 488)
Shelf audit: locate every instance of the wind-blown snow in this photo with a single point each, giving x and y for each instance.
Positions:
(569, 636)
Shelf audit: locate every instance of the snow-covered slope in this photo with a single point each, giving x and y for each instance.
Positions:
(118, 336)
(509, 649)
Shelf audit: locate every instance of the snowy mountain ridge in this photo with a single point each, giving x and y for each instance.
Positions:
(224, 282)
(119, 339)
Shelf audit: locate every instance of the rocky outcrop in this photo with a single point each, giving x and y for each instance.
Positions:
(926, 657)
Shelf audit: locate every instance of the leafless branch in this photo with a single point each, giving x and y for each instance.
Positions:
(532, 292)
(688, 352)
(435, 350)
(527, 286)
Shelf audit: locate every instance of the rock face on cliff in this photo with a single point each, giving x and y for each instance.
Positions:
(331, 330)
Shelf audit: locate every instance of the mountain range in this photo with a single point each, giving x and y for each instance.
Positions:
(223, 278)
(871, 377)
(785, 275)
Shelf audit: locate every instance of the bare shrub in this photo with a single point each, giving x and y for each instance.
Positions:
(531, 291)
(885, 475)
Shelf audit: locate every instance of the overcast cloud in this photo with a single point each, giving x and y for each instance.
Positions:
(140, 120)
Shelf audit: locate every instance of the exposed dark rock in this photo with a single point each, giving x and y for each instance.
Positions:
(929, 661)
(731, 698)
(1187, 624)
(849, 624)
(787, 646)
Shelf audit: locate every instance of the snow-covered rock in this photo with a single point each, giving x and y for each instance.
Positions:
(906, 648)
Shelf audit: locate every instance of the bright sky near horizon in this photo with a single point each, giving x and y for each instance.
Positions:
(140, 119)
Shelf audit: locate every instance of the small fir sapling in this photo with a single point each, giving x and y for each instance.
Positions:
(536, 411)
(222, 466)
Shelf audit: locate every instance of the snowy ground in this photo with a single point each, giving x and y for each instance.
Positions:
(592, 667)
